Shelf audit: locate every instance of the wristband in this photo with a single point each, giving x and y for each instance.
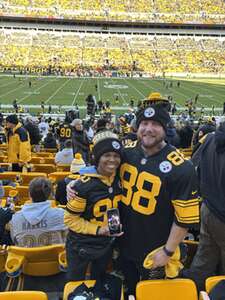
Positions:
(167, 252)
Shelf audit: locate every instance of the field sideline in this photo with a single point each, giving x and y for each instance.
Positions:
(67, 91)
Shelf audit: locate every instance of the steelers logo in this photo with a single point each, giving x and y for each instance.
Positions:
(165, 166)
(116, 145)
(149, 112)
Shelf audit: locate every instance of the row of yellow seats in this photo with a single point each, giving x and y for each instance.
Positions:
(50, 260)
(26, 177)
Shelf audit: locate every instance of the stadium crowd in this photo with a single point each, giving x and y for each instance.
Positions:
(158, 11)
(73, 53)
(99, 154)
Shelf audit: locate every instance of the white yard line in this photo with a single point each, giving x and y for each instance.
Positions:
(75, 97)
(1, 86)
(140, 93)
(67, 81)
(124, 100)
(11, 91)
(43, 85)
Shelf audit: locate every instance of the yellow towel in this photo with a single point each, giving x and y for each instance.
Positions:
(172, 268)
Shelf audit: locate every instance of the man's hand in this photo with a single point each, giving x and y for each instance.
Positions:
(160, 259)
(69, 191)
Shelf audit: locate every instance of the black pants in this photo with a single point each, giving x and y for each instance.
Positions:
(133, 272)
(77, 265)
(16, 168)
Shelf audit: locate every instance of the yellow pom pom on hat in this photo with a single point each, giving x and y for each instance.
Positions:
(155, 96)
(77, 163)
(173, 266)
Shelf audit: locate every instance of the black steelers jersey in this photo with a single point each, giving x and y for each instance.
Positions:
(157, 191)
(94, 197)
(64, 132)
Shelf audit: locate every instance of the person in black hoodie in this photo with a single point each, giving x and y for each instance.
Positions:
(209, 160)
(80, 139)
(50, 141)
(6, 214)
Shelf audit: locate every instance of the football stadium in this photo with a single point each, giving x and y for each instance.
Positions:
(112, 142)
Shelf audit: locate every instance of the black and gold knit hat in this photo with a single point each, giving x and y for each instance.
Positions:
(105, 141)
(155, 113)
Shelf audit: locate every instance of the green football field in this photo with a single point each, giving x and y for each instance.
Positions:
(65, 91)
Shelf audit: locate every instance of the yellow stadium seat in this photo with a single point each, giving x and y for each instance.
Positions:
(51, 150)
(35, 160)
(63, 168)
(23, 295)
(3, 146)
(169, 289)
(55, 176)
(3, 158)
(43, 154)
(37, 261)
(27, 177)
(5, 166)
(70, 286)
(14, 176)
(45, 168)
(212, 281)
(47, 160)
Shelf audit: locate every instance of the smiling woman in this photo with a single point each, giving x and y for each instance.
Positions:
(89, 239)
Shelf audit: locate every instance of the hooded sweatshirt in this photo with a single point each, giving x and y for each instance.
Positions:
(210, 162)
(38, 224)
(64, 157)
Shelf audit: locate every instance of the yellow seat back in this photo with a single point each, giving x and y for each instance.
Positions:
(166, 289)
(10, 175)
(45, 168)
(37, 261)
(212, 281)
(63, 168)
(27, 177)
(23, 295)
(55, 176)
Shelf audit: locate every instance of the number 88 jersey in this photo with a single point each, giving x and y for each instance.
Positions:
(157, 191)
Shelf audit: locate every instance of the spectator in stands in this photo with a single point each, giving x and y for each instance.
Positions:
(50, 141)
(37, 223)
(89, 240)
(65, 157)
(19, 148)
(201, 132)
(132, 135)
(76, 165)
(101, 125)
(43, 127)
(34, 132)
(210, 257)
(185, 134)
(6, 214)
(80, 140)
(171, 134)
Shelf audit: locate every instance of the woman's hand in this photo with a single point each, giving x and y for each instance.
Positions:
(105, 231)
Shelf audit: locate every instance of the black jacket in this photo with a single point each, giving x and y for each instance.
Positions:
(210, 162)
